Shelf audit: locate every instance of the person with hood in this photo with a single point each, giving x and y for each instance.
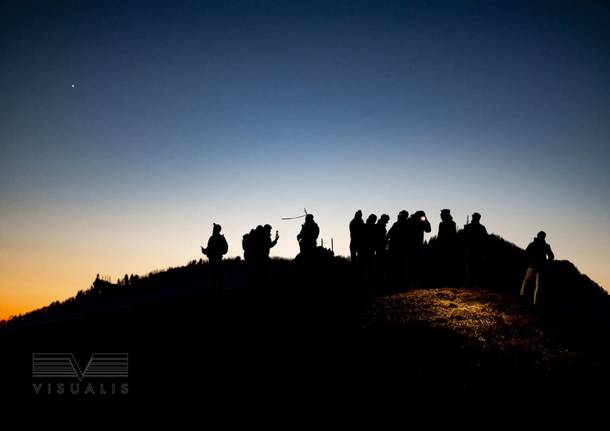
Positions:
(537, 253)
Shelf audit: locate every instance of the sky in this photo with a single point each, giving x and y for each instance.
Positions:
(127, 128)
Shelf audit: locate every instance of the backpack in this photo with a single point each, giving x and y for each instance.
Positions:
(223, 246)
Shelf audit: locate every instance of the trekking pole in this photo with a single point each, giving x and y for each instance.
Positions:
(297, 217)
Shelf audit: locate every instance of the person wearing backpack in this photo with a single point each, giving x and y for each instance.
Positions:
(537, 253)
(216, 249)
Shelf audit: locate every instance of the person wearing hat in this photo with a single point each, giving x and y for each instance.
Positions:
(538, 253)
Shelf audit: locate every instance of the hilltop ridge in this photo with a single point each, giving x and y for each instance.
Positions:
(332, 321)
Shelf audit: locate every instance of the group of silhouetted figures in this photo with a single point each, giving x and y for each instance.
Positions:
(382, 254)
(257, 245)
(392, 256)
(396, 254)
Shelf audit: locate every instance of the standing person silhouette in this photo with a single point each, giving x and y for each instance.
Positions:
(216, 249)
(267, 243)
(418, 225)
(262, 262)
(447, 236)
(538, 253)
(248, 243)
(356, 232)
(475, 236)
(368, 245)
(446, 228)
(308, 236)
(381, 246)
(398, 239)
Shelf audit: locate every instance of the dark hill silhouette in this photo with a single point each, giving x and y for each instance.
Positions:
(321, 317)
(566, 290)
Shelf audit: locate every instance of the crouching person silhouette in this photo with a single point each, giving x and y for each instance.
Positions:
(538, 253)
(216, 249)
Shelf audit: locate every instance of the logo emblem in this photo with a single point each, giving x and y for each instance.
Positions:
(100, 365)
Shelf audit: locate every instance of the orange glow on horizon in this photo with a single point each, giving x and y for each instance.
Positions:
(62, 255)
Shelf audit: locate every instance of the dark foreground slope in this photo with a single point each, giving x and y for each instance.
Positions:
(321, 328)
(494, 342)
(231, 345)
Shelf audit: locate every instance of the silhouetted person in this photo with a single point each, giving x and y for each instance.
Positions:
(216, 249)
(447, 238)
(475, 237)
(356, 232)
(417, 226)
(248, 244)
(398, 239)
(217, 245)
(257, 244)
(446, 228)
(538, 253)
(258, 248)
(368, 244)
(267, 244)
(381, 233)
(381, 244)
(261, 265)
(308, 236)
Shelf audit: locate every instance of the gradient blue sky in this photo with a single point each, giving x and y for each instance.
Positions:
(185, 113)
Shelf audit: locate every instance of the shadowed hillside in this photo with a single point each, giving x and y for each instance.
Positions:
(325, 316)
(566, 290)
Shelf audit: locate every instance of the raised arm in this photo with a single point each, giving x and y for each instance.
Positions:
(277, 236)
